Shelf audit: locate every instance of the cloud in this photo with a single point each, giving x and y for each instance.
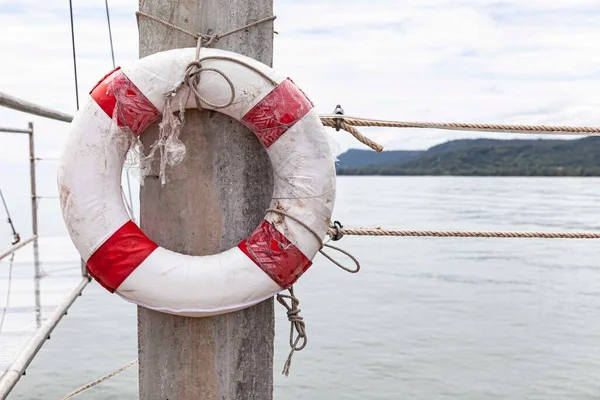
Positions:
(509, 61)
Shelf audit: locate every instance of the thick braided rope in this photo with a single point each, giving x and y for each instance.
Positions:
(98, 381)
(354, 132)
(526, 129)
(464, 234)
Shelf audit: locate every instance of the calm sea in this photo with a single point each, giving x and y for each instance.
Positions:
(424, 319)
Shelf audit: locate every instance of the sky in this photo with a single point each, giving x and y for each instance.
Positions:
(513, 61)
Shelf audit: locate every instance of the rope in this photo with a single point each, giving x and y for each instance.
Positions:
(193, 70)
(74, 56)
(191, 78)
(98, 381)
(296, 324)
(128, 202)
(321, 243)
(293, 312)
(348, 123)
(206, 38)
(7, 304)
(333, 232)
(16, 237)
(526, 129)
(112, 50)
(332, 123)
(172, 122)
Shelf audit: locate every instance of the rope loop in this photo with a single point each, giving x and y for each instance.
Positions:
(346, 253)
(298, 340)
(192, 80)
(193, 70)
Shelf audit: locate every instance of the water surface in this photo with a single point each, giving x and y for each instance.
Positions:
(424, 319)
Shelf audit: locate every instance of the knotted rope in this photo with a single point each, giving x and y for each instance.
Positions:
(172, 150)
(192, 74)
(293, 312)
(296, 324)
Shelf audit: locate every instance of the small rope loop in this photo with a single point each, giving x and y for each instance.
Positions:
(321, 243)
(339, 233)
(192, 80)
(297, 324)
(356, 262)
(193, 70)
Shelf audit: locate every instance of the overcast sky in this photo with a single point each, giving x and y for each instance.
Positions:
(514, 61)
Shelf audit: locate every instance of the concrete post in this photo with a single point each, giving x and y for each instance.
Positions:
(214, 199)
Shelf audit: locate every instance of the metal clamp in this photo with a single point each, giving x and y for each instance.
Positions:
(338, 121)
(338, 231)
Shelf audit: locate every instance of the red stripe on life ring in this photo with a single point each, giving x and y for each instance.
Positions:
(120, 98)
(277, 112)
(275, 255)
(119, 256)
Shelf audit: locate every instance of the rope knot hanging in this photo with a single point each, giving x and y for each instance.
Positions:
(293, 312)
(296, 324)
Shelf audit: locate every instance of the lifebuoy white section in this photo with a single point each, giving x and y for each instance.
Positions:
(89, 180)
(300, 189)
(117, 252)
(206, 280)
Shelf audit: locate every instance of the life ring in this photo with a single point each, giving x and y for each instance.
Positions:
(124, 260)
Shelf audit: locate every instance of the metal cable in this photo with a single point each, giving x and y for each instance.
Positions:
(10, 269)
(16, 236)
(128, 202)
(74, 55)
(112, 50)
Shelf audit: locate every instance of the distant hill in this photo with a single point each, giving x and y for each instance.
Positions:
(484, 157)
(363, 158)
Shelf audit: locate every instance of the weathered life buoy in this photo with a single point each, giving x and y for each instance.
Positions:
(124, 260)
